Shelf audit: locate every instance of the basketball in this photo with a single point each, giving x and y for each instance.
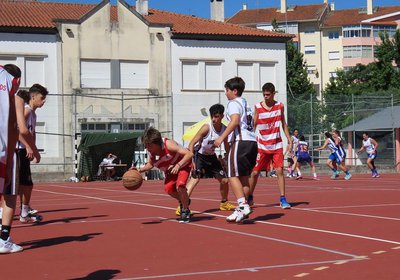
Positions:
(132, 180)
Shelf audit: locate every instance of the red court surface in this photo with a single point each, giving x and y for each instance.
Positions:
(336, 229)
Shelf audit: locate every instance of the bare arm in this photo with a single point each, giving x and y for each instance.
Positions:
(24, 134)
(235, 120)
(323, 146)
(373, 141)
(187, 155)
(199, 135)
(286, 131)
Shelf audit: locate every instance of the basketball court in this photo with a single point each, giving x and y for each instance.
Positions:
(336, 229)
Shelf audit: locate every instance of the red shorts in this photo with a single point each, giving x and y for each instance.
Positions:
(264, 161)
(174, 181)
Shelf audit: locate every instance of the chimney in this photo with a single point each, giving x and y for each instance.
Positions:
(244, 7)
(142, 7)
(332, 5)
(283, 6)
(217, 10)
(325, 1)
(370, 7)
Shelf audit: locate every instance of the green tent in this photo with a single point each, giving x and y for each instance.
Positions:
(95, 146)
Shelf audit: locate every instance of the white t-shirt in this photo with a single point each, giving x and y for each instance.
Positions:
(237, 106)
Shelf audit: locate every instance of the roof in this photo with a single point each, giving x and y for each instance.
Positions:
(43, 15)
(382, 120)
(354, 17)
(267, 15)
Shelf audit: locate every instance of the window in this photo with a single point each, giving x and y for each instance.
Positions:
(357, 52)
(311, 69)
(390, 29)
(246, 72)
(34, 71)
(267, 74)
(213, 75)
(113, 127)
(190, 75)
(333, 35)
(309, 49)
(309, 31)
(134, 74)
(95, 74)
(334, 55)
(352, 31)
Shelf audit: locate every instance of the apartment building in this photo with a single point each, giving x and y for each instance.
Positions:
(113, 68)
(329, 39)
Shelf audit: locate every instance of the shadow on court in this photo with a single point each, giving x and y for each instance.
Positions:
(35, 244)
(104, 274)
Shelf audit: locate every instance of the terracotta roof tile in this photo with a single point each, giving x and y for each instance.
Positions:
(43, 14)
(183, 24)
(354, 17)
(39, 14)
(267, 15)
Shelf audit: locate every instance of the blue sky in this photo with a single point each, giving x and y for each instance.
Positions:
(201, 8)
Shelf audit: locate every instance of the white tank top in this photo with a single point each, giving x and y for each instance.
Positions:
(369, 147)
(30, 124)
(206, 145)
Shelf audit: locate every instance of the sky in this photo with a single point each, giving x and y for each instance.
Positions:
(201, 8)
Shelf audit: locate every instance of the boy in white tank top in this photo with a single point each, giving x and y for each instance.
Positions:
(205, 160)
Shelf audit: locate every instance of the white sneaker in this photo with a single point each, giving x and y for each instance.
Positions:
(32, 211)
(9, 246)
(241, 212)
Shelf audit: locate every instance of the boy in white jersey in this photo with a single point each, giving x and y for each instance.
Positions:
(268, 119)
(34, 99)
(11, 123)
(291, 156)
(370, 146)
(205, 159)
(243, 147)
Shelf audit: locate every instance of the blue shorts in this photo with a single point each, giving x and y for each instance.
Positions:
(304, 158)
(335, 157)
(373, 156)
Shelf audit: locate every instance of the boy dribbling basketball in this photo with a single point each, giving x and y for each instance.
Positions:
(175, 161)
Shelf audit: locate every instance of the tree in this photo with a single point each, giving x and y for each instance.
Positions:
(304, 110)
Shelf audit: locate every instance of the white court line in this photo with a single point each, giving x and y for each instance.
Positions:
(354, 206)
(349, 214)
(251, 269)
(262, 222)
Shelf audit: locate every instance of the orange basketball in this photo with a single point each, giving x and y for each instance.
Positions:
(132, 180)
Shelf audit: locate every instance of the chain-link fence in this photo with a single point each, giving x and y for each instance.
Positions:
(377, 114)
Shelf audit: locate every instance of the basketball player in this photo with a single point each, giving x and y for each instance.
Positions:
(371, 147)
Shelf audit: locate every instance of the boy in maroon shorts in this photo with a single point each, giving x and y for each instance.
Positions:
(268, 119)
(175, 161)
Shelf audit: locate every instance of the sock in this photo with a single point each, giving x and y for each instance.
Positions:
(347, 172)
(5, 232)
(315, 175)
(334, 170)
(299, 173)
(250, 197)
(241, 200)
(24, 210)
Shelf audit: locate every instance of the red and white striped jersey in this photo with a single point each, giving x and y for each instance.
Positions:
(268, 128)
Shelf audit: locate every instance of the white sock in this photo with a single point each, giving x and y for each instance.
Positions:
(24, 210)
(241, 200)
(315, 175)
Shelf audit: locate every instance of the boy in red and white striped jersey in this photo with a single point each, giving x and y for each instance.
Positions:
(269, 117)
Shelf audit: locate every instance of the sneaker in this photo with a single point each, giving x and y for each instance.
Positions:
(316, 178)
(226, 206)
(178, 210)
(241, 213)
(273, 175)
(377, 175)
(32, 211)
(299, 177)
(30, 219)
(8, 246)
(348, 176)
(284, 204)
(185, 216)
